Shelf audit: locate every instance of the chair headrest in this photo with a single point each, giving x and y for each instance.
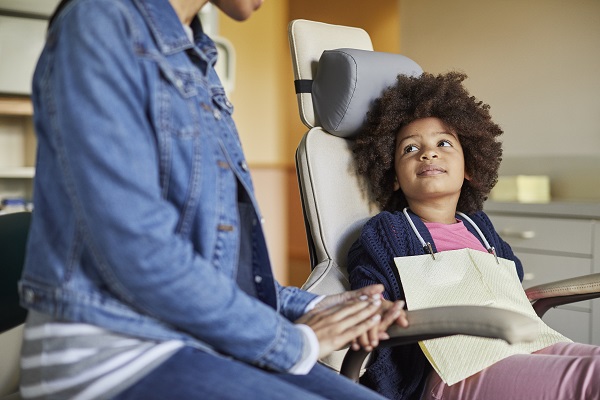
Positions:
(347, 82)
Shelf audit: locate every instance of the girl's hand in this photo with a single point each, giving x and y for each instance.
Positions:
(391, 313)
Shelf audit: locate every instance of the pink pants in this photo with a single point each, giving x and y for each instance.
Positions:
(564, 371)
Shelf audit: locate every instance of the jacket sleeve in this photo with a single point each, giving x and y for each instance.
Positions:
(293, 301)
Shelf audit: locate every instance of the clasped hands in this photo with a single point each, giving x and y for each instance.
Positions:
(359, 317)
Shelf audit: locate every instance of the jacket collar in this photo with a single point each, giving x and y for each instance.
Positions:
(168, 30)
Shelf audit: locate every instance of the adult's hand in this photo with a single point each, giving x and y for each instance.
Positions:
(368, 292)
(342, 323)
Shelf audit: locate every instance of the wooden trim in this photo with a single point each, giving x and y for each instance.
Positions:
(16, 106)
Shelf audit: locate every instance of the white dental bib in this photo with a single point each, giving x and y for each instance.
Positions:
(468, 277)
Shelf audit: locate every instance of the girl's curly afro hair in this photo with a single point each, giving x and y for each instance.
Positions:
(444, 97)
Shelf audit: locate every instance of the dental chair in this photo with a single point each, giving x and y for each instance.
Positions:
(337, 76)
(13, 237)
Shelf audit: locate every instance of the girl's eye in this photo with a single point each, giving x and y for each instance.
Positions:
(445, 143)
(410, 148)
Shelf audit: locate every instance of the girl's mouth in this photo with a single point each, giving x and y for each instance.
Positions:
(430, 169)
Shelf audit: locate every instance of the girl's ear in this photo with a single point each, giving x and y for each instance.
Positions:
(397, 184)
(467, 175)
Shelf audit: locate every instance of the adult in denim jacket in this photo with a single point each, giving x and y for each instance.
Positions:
(145, 220)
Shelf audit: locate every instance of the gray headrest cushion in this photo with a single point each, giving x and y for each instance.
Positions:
(348, 80)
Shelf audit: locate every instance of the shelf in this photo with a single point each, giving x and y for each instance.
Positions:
(19, 106)
(17, 172)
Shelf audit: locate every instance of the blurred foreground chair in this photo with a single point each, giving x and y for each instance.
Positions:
(13, 238)
(337, 76)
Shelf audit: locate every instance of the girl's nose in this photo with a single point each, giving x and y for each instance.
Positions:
(429, 154)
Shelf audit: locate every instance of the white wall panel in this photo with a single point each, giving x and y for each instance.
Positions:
(21, 42)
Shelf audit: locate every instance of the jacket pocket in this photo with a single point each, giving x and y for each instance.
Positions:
(184, 80)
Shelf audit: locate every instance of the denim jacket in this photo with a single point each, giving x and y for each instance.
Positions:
(140, 175)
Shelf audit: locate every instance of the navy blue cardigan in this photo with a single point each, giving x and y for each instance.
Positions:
(400, 372)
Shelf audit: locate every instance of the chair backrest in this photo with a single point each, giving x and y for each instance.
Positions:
(337, 77)
(308, 40)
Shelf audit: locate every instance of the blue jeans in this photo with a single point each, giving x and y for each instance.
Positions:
(194, 374)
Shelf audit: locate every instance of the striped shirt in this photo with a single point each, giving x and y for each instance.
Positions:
(81, 361)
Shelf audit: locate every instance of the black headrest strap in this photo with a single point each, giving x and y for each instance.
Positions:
(303, 85)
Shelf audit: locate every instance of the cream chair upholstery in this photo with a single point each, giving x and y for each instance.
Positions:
(337, 75)
(10, 349)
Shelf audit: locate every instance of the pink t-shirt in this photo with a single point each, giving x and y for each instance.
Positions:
(453, 236)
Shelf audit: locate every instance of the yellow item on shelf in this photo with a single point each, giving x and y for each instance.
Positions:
(522, 189)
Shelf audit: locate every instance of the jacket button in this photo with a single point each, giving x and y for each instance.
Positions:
(257, 278)
(244, 166)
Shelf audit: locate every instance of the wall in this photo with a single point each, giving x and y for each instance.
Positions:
(267, 116)
(260, 112)
(266, 111)
(536, 63)
(259, 97)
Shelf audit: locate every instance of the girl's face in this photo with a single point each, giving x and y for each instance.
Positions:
(429, 162)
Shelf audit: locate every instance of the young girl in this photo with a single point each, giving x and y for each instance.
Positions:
(430, 152)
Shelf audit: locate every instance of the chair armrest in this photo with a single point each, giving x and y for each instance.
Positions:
(566, 291)
(431, 323)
